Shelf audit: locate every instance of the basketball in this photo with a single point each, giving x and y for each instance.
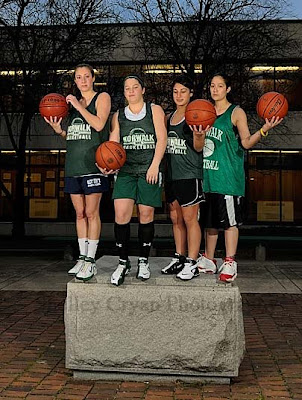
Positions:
(110, 155)
(53, 105)
(272, 104)
(200, 112)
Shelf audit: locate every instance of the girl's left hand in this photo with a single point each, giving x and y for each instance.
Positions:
(152, 174)
(70, 99)
(271, 123)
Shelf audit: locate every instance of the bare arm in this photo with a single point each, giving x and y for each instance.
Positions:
(239, 119)
(115, 129)
(103, 106)
(161, 144)
(199, 136)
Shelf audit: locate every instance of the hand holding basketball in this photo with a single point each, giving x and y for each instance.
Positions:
(269, 124)
(55, 123)
(200, 112)
(110, 156)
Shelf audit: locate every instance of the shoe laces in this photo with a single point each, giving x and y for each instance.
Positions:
(120, 269)
(228, 263)
(86, 266)
(142, 263)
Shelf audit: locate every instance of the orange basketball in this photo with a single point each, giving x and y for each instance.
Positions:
(110, 155)
(272, 104)
(53, 105)
(200, 112)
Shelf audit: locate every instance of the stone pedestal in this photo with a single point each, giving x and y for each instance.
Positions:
(163, 328)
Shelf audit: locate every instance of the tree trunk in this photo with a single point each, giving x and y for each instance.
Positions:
(18, 230)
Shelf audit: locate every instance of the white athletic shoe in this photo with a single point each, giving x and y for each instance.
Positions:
(175, 265)
(123, 269)
(143, 270)
(76, 268)
(189, 271)
(228, 270)
(206, 265)
(88, 270)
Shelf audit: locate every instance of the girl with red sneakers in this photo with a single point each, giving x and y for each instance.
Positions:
(224, 178)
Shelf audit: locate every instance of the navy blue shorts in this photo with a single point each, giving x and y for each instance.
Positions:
(86, 184)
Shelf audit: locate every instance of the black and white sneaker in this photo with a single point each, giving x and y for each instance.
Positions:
(175, 266)
(143, 270)
(189, 271)
(123, 269)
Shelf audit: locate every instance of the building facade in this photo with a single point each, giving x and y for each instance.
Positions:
(273, 167)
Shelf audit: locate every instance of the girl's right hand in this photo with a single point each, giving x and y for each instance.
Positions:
(197, 129)
(104, 171)
(55, 123)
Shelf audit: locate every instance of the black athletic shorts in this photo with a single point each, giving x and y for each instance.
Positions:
(222, 211)
(86, 184)
(187, 192)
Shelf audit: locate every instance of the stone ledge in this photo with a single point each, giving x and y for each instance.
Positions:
(161, 327)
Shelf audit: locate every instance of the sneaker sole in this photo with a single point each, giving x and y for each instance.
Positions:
(228, 280)
(207, 271)
(142, 278)
(87, 278)
(187, 279)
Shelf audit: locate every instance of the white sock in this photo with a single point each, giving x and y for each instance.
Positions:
(92, 248)
(83, 246)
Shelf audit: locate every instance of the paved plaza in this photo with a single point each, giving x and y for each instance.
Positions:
(32, 342)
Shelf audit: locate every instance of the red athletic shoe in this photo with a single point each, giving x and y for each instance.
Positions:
(228, 270)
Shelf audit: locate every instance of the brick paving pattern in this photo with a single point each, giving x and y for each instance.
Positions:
(32, 351)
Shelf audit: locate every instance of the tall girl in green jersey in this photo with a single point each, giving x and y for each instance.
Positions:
(88, 126)
(183, 185)
(140, 127)
(224, 178)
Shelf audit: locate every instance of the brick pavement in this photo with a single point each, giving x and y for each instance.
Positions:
(32, 351)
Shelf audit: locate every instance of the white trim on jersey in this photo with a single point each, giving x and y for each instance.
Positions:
(135, 117)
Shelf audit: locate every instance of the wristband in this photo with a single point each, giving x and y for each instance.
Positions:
(262, 133)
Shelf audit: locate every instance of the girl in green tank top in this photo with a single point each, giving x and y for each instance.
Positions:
(140, 127)
(88, 127)
(183, 185)
(224, 174)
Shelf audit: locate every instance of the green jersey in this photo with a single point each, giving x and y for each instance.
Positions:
(81, 143)
(183, 162)
(138, 138)
(223, 164)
